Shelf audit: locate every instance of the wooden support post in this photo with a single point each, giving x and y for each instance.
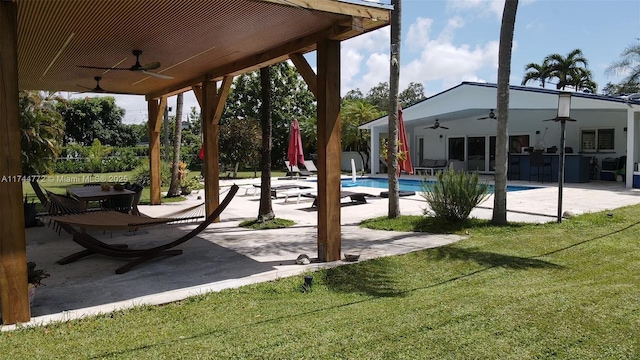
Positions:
(156, 111)
(211, 158)
(329, 151)
(212, 103)
(14, 297)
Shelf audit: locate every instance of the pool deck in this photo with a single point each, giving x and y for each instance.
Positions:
(226, 256)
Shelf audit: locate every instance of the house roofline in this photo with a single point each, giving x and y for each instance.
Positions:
(520, 88)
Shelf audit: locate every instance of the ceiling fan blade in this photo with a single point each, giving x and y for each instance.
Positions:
(554, 119)
(84, 87)
(159, 76)
(484, 118)
(444, 127)
(150, 66)
(101, 67)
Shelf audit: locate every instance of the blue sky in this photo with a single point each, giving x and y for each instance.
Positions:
(445, 42)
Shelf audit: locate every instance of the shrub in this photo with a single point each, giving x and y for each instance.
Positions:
(454, 195)
(142, 177)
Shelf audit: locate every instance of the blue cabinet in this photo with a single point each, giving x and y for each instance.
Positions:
(576, 168)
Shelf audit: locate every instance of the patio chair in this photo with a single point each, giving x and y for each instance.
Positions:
(310, 165)
(113, 220)
(355, 197)
(292, 170)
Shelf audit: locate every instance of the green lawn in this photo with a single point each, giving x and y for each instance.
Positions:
(561, 291)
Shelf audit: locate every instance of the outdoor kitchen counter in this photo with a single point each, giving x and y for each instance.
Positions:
(576, 168)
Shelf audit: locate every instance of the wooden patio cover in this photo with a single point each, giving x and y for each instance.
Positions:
(202, 44)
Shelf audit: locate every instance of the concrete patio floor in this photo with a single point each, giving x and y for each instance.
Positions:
(226, 256)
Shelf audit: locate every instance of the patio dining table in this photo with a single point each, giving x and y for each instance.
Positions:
(84, 194)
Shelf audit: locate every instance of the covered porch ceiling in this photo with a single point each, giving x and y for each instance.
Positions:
(189, 38)
(187, 44)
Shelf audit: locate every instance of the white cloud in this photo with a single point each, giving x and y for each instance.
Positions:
(370, 46)
(481, 7)
(419, 31)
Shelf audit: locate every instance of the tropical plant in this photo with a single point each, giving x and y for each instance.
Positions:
(454, 194)
(581, 79)
(570, 70)
(629, 64)
(141, 174)
(384, 150)
(355, 113)
(42, 131)
(612, 89)
(536, 72)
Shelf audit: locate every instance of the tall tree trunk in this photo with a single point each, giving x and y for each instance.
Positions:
(392, 151)
(266, 210)
(174, 188)
(502, 143)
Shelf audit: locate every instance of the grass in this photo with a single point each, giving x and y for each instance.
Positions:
(562, 291)
(276, 223)
(416, 223)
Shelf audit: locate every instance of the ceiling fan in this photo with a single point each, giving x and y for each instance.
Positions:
(136, 67)
(97, 89)
(436, 125)
(491, 116)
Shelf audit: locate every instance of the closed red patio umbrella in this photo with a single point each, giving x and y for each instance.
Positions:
(294, 153)
(403, 146)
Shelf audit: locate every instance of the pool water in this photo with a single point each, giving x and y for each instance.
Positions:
(411, 185)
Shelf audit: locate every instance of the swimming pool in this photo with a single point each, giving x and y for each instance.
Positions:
(411, 185)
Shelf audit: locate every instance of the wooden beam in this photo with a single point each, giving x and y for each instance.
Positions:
(211, 147)
(14, 297)
(306, 71)
(338, 7)
(221, 99)
(197, 91)
(156, 111)
(329, 151)
(269, 57)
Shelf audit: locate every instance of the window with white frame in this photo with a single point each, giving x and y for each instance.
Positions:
(595, 140)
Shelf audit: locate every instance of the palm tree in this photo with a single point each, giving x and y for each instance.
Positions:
(566, 68)
(581, 79)
(536, 72)
(265, 211)
(628, 64)
(499, 216)
(174, 187)
(42, 131)
(355, 113)
(394, 199)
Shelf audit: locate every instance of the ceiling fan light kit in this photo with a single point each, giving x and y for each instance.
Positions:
(437, 125)
(492, 116)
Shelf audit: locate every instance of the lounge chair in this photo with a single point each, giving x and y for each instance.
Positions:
(431, 166)
(113, 220)
(355, 197)
(278, 188)
(310, 165)
(292, 170)
(299, 192)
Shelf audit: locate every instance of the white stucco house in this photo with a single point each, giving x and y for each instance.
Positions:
(456, 125)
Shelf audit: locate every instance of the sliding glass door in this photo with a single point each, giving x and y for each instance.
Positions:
(476, 153)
